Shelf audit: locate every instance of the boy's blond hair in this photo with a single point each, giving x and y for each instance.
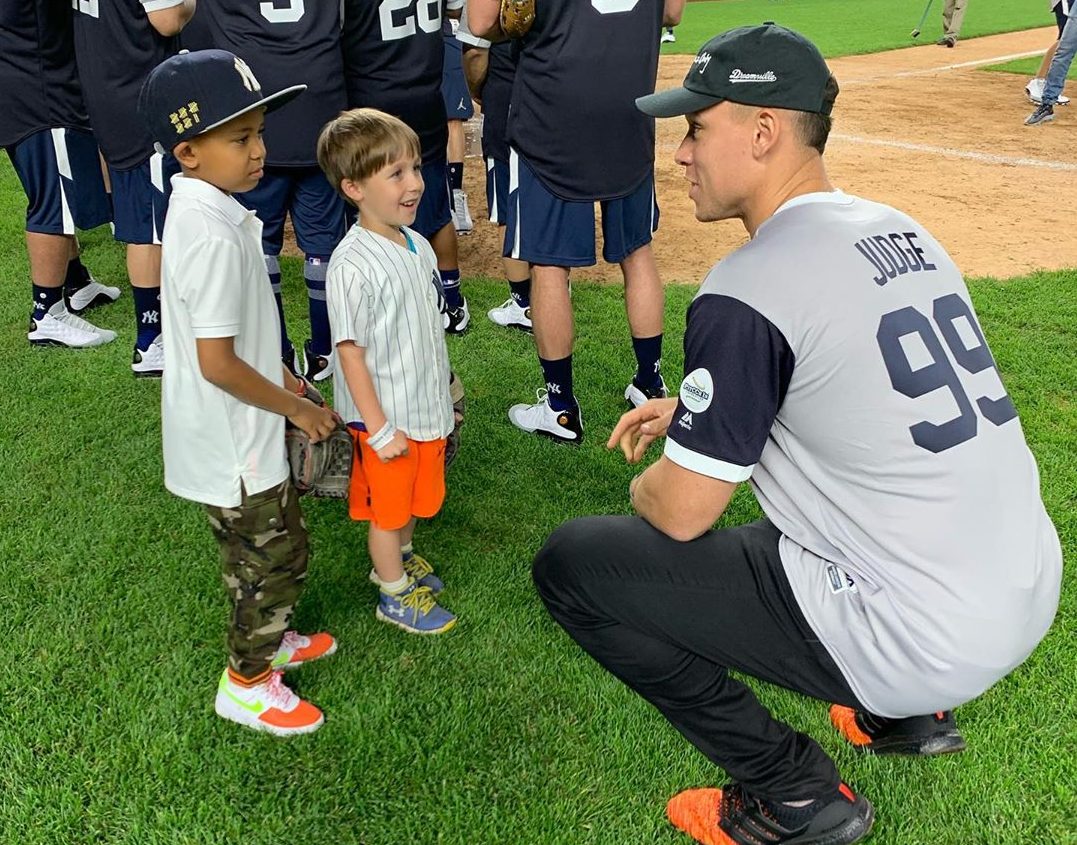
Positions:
(360, 142)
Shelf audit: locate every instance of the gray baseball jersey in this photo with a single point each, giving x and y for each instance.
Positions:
(386, 299)
(837, 362)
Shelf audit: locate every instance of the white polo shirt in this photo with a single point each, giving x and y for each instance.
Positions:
(214, 284)
(386, 298)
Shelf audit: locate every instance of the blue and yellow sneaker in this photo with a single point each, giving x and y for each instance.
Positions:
(415, 610)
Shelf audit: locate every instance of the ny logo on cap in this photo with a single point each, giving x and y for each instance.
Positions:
(250, 82)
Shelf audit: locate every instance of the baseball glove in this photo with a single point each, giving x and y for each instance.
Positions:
(517, 17)
(323, 468)
(452, 442)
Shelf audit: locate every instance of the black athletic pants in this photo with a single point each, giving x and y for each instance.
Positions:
(670, 619)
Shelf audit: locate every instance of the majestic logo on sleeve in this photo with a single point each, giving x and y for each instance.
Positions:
(250, 81)
(739, 75)
(697, 390)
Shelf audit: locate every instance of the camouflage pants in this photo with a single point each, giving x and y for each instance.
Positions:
(264, 563)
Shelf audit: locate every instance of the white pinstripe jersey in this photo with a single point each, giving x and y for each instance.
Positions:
(386, 299)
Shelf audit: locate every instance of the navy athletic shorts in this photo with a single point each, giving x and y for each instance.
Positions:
(497, 190)
(547, 230)
(140, 199)
(317, 210)
(60, 170)
(454, 91)
(435, 207)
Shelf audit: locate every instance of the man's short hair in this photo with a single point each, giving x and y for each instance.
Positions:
(360, 142)
(813, 129)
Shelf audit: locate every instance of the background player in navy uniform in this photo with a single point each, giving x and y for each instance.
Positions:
(458, 108)
(46, 133)
(117, 44)
(577, 138)
(287, 43)
(906, 562)
(490, 70)
(393, 61)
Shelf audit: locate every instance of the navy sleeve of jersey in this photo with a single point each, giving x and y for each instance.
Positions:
(738, 367)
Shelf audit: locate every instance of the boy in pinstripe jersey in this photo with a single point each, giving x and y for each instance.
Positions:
(392, 381)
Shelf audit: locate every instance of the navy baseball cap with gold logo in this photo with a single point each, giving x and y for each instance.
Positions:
(192, 93)
(766, 65)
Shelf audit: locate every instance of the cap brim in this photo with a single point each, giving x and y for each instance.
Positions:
(675, 102)
(270, 103)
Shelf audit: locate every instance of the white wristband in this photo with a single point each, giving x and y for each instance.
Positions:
(382, 437)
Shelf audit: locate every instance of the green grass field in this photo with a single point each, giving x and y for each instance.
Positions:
(844, 27)
(501, 731)
(1027, 68)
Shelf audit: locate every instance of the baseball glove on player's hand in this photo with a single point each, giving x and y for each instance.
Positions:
(517, 17)
(323, 468)
(452, 442)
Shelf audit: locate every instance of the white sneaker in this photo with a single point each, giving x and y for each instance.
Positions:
(149, 362)
(540, 418)
(512, 315)
(1034, 92)
(461, 216)
(318, 367)
(269, 706)
(668, 37)
(636, 396)
(59, 327)
(456, 320)
(90, 295)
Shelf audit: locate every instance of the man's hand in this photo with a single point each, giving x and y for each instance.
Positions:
(640, 427)
(317, 422)
(394, 448)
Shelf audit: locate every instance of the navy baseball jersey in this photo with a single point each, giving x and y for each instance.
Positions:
(39, 87)
(496, 96)
(286, 43)
(573, 115)
(837, 362)
(117, 47)
(393, 55)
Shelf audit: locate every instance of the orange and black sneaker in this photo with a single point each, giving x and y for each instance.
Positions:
(733, 816)
(924, 736)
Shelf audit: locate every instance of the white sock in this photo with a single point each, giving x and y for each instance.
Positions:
(393, 587)
(407, 551)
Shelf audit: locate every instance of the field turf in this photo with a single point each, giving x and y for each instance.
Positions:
(501, 731)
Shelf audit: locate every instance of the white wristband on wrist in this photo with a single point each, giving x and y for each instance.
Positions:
(382, 437)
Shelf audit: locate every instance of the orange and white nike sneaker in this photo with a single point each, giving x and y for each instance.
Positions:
(268, 706)
(297, 649)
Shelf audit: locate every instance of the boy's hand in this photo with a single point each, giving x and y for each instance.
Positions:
(394, 448)
(316, 421)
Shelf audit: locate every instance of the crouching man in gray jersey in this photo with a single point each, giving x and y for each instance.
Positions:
(906, 562)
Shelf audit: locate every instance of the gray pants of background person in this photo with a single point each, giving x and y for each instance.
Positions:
(953, 15)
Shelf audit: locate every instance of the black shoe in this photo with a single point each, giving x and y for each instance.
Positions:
(923, 736)
(735, 815)
(319, 367)
(947, 41)
(290, 359)
(456, 320)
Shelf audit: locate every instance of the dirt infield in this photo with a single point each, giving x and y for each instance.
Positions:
(922, 129)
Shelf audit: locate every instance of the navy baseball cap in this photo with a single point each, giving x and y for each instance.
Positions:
(192, 93)
(766, 65)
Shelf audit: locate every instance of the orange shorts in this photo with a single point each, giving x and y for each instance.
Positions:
(390, 494)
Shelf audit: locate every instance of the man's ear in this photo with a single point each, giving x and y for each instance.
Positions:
(352, 190)
(186, 154)
(768, 129)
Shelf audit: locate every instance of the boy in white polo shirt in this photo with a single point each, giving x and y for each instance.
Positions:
(225, 394)
(391, 383)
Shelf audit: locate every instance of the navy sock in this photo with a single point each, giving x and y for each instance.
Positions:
(314, 276)
(45, 298)
(648, 361)
(456, 175)
(521, 291)
(77, 275)
(450, 281)
(147, 315)
(558, 375)
(273, 268)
